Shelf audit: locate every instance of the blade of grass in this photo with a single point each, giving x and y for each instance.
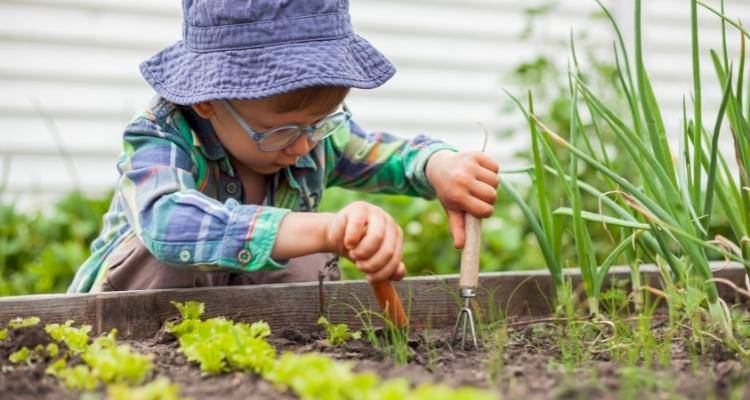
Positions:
(654, 123)
(612, 257)
(697, 107)
(547, 252)
(721, 15)
(656, 181)
(604, 219)
(695, 253)
(584, 246)
(711, 180)
(539, 180)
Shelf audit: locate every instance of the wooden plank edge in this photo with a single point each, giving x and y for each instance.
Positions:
(431, 301)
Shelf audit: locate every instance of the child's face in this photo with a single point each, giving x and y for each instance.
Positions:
(261, 115)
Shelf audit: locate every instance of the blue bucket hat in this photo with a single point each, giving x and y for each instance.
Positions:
(251, 49)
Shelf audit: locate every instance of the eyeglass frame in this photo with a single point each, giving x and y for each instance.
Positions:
(258, 137)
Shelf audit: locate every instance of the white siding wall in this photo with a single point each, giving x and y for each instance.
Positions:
(69, 69)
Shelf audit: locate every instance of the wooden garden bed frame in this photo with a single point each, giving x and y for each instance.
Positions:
(431, 301)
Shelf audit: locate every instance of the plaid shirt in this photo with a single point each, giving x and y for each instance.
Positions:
(180, 195)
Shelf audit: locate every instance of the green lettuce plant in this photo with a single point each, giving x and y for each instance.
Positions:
(337, 334)
(18, 322)
(76, 339)
(116, 363)
(158, 389)
(218, 344)
(310, 376)
(21, 355)
(28, 356)
(105, 361)
(86, 365)
(316, 376)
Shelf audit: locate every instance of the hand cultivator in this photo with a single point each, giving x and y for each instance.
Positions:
(469, 277)
(468, 280)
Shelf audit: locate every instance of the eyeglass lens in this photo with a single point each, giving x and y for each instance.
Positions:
(281, 138)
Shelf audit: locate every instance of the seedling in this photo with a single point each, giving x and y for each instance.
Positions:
(218, 344)
(337, 334)
(158, 389)
(392, 340)
(77, 339)
(28, 356)
(18, 322)
(104, 362)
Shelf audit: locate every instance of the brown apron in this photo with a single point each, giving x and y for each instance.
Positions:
(133, 267)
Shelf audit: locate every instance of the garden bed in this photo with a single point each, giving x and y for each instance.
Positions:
(526, 352)
(530, 369)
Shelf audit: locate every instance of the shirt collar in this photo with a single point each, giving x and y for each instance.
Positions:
(209, 143)
(306, 161)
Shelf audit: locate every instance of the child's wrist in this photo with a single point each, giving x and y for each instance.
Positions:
(302, 233)
(321, 228)
(432, 164)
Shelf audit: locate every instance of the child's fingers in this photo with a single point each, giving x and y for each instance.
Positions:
(486, 161)
(373, 238)
(396, 259)
(388, 268)
(487, 176)
(457, 228)
(356, 226)
(400, 272)
(384, 253)
(484, 192)
(389, 255)
(397, 275)
(477, 207)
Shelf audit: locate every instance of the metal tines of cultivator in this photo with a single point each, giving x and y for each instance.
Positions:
(465, 320)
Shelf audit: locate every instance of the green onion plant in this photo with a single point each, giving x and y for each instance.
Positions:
(664, 215)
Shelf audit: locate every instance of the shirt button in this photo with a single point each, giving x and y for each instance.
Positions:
(185, 255)
(244, 256)
(231, 188)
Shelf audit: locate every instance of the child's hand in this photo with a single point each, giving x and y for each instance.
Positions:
(368, 236)
(464, 182)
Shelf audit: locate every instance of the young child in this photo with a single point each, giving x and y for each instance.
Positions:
(221, 176)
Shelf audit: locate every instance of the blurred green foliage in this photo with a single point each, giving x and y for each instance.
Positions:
(40, 251)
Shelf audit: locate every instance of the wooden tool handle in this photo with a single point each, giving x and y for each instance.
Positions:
(390, 302)
(469, 277)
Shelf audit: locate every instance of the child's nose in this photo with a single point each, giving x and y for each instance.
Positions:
(299, 147)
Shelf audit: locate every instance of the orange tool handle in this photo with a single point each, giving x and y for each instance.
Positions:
(390, 302)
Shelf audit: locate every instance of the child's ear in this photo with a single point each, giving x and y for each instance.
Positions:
(205, 109)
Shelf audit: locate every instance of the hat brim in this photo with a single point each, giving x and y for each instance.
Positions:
(186, 77)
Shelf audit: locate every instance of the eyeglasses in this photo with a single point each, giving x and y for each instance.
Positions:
(280, 137)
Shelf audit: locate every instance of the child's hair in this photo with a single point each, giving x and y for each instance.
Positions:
(323, 98)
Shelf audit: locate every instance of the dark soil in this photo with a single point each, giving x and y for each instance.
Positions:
(527, 367)
(27, 381)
